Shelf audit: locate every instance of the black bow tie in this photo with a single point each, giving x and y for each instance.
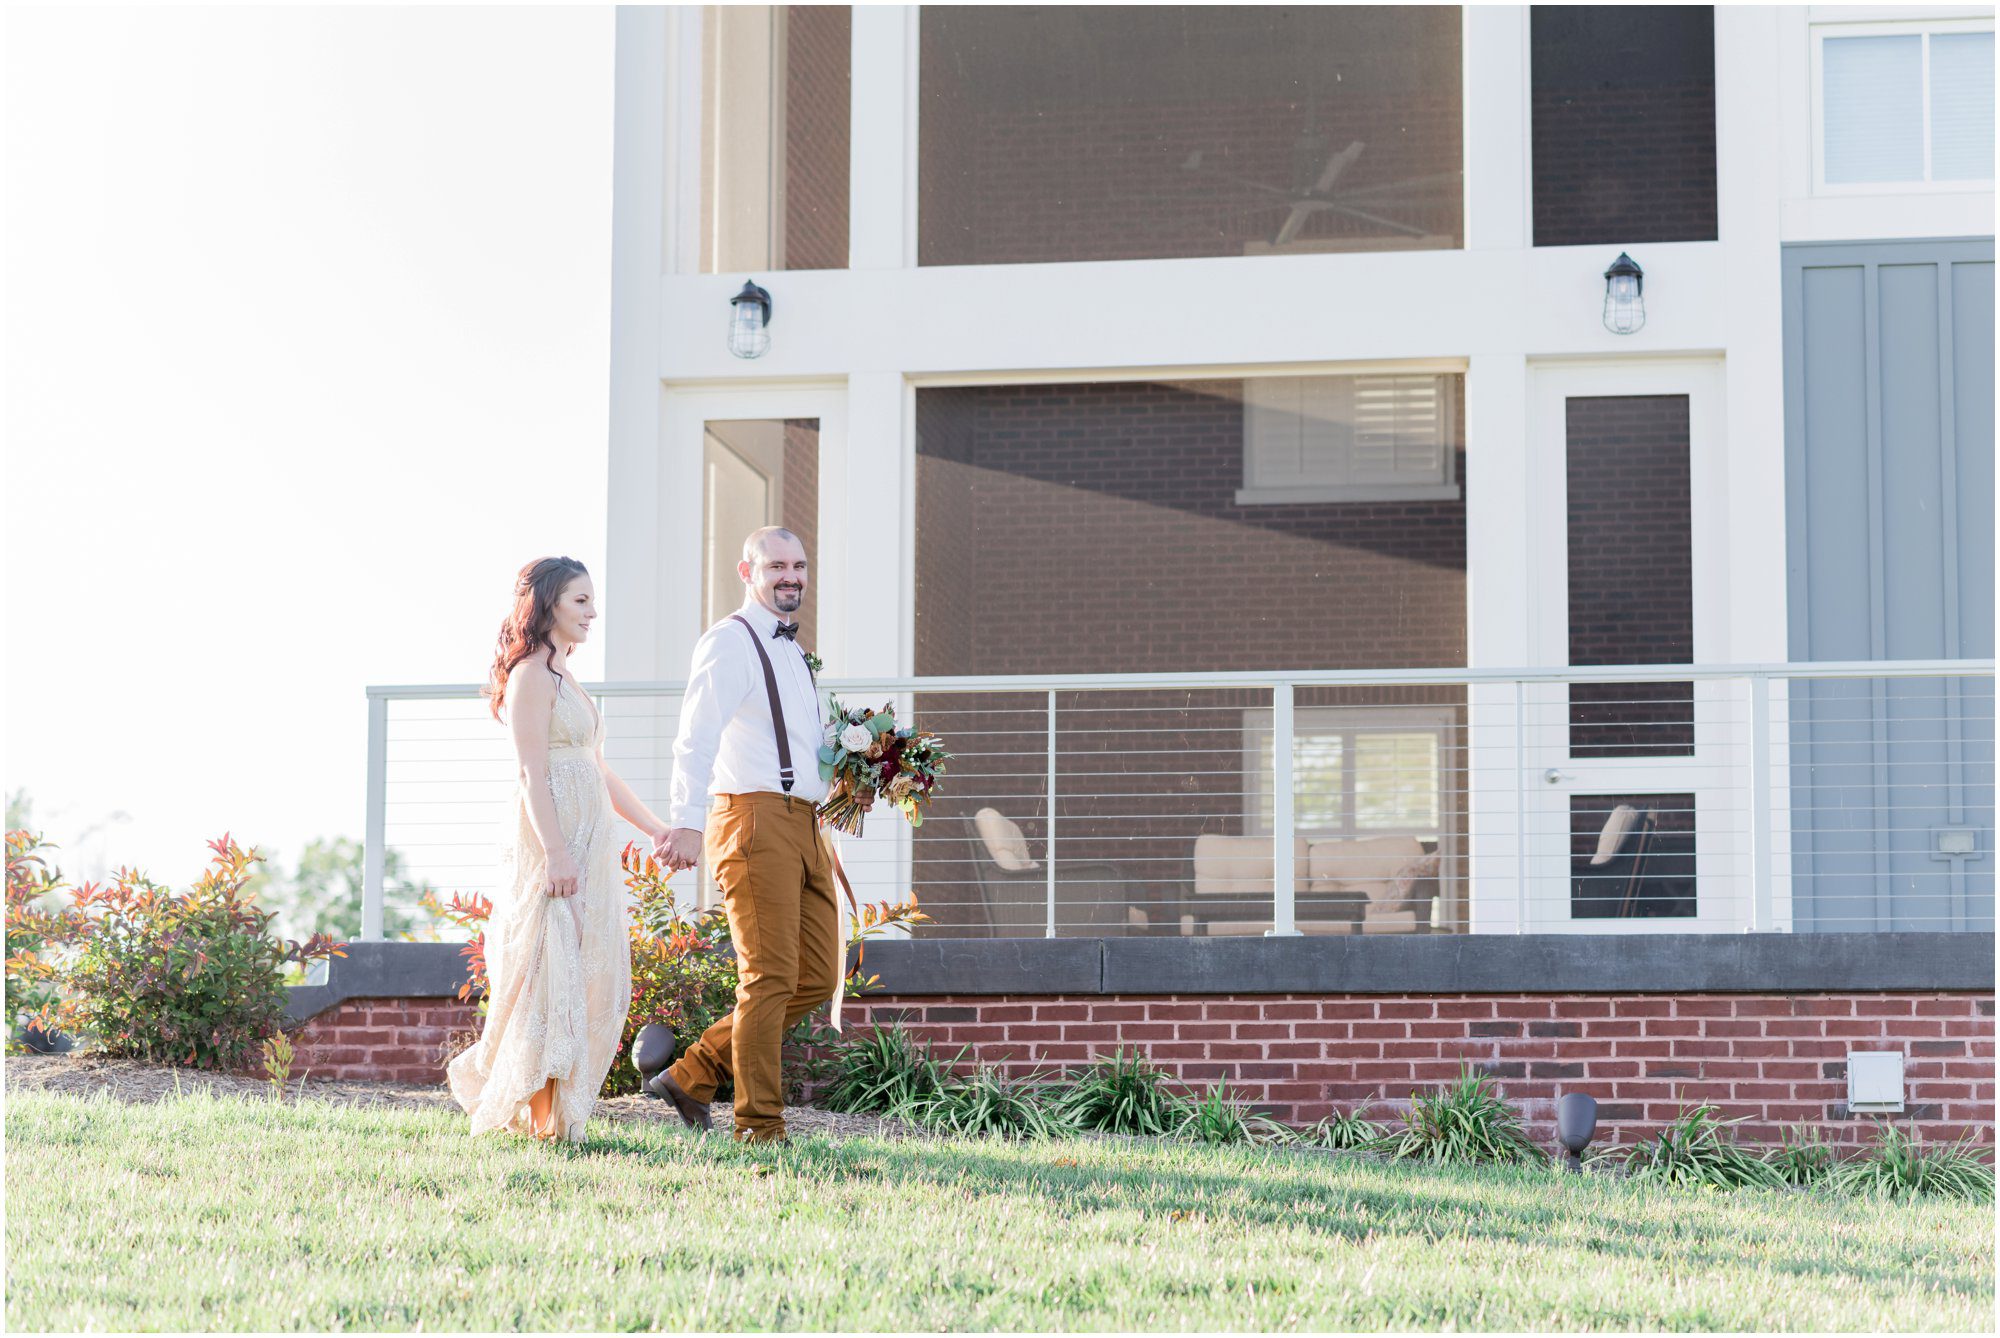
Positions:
(789, 631)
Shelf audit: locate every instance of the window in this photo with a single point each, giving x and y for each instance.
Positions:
(1106, 132)
(1355, 771)
(774, 137)
(1623, 108)
(1632, 856)
(1904, 104)
(1348, 438)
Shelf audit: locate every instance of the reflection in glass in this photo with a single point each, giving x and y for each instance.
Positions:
(1053, 133)
(775, 130)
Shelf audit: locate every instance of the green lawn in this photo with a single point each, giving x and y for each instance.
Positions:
(212, 1213)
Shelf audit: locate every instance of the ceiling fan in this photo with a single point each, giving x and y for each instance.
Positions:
(1317, 169)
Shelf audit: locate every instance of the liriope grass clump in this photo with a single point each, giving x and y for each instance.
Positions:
(1351, 1131)
(1468, 1122)
(1804, 1160)
(1899, 1166)
(1699, 1149)
(884, 1070)
(1219, 1120)
(988, 1102)
(1123, 1093)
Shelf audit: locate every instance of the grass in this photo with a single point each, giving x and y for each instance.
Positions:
(205, 1213)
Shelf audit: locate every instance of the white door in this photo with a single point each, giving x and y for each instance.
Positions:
(1630, 789)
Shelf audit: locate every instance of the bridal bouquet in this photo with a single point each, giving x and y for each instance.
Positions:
(866, 754)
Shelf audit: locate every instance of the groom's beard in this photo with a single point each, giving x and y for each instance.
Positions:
(788, 600)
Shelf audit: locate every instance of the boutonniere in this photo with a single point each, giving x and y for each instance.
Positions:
(812, 661)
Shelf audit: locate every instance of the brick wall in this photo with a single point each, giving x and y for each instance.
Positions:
(1064, 135)
(382, 1040)
(1780, 1060)
(818, 74)
(800, 498)
(1095, 529)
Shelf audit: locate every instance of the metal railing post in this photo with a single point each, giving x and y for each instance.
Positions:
(1284, 890)
(1050, 853)
(374, 851)
(1761, 918)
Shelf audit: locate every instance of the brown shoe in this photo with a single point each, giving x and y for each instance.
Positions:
(695, 1113)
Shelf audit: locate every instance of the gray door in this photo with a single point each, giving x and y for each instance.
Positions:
(1889, 480)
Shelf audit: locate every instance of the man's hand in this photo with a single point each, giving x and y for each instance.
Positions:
(680, 848)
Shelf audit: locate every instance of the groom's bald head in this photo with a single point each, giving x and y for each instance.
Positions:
(758, 544)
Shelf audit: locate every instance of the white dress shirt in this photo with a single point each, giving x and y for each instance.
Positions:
(726, 744)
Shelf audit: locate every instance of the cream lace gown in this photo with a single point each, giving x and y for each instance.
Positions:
(559, 970)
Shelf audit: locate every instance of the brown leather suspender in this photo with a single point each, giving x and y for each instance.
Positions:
(777, 706)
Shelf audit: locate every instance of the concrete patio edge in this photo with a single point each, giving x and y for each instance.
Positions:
(1427, 964)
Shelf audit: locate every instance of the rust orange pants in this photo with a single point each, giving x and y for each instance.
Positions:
(775, 869)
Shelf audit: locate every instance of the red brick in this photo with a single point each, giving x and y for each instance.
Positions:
(1407, 1009)
(1291, 1010)
(1067, 1012)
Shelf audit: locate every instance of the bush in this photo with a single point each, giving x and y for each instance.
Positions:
(1464, 1123)
(1218, 1120)
(1900, 1166)
(1352, 1132)
(683, 965)
(181, 978)
(1804, 1159)
(987, 1102)
(1123, 1094)
(1698, 1149)
(883, 1070)
(30, 922)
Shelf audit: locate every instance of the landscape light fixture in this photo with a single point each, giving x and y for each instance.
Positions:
(652, 1050)
(1624, 295)
(750, 322)
(1576, 1123)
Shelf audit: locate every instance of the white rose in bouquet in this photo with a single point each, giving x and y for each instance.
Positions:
(856, 738)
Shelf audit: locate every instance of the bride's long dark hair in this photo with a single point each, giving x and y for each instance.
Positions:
(526, 629)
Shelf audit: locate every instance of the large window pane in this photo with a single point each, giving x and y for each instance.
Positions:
(1631, 572)
(774, 167)
(1624, 124)
(1962, 106)
(1052, 133)
(1872, 96)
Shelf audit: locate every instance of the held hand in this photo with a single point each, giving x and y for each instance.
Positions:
(563, 875)
(681, 848)
(868, 801)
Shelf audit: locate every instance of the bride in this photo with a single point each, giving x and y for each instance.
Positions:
(558, 962)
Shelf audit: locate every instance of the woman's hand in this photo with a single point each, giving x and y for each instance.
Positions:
(563, 875)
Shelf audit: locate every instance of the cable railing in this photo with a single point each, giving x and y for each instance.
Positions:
(1642, 799)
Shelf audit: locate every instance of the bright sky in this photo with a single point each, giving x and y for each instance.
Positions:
(306, 339)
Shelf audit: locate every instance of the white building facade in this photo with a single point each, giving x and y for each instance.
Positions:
(1206, 342)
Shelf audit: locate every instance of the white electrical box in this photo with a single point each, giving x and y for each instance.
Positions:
(1874, 1080)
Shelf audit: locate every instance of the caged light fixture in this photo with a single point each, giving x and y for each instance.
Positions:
(1624, 296)
(750, 322)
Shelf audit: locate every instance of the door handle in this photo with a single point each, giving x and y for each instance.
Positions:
(1554, 777)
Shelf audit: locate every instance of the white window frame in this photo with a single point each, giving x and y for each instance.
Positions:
(1925, 28)
(1440, 487)
(1347, 721)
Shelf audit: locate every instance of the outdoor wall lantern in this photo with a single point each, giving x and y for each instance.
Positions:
(750, 322)
(1576, 1123)
(1624, 295)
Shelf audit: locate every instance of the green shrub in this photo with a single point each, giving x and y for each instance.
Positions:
(1122, 1094)
(1698, 1149)
(1804, 1159)
(1900, 1166)
(1352, 1132)
(1466, 1122)
(31, 882)
(986, 1102)
(1218, 1120)
(181, 978)
(883, 1070)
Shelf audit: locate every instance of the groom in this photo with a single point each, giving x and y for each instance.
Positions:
(746, 770)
